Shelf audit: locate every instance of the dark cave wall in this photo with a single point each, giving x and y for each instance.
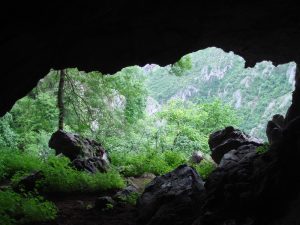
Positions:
(113, 34)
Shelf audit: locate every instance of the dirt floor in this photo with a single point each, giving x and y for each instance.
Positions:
(77, 210)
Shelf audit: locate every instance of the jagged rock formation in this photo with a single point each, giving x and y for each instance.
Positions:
(168, 198)
(274, 128)
(244, 193)
(223, 141)
(84, 153)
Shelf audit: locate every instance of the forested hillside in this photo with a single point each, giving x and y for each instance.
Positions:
(256, 93)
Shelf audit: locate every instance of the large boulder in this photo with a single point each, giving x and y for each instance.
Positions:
(223, 141)
(169, 194)
(85, 154)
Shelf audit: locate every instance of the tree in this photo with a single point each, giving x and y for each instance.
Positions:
(8, 137)
(189, 125)
(60, 99)
(182, 65)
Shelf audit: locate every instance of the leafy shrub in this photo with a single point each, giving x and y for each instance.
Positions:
(174, 158)
(205, 168)
(8, 137)
(18, 209)
(151, 161)
(13, 161)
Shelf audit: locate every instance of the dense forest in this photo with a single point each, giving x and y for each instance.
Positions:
(149, 119)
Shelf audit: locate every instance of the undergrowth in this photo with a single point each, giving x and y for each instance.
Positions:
(151, 161)
(204, 168)
(59, 175)
(156, 162)
(24, 209)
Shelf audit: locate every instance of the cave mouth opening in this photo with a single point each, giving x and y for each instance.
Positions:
(144, 121)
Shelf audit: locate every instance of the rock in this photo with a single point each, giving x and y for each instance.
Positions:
(196, 157)
(140, 182)
(223, 141)
(148, 176)
(274, 128)
(102, 202)
(85, 154)
(234, 156)
(167, 192)
(123, 194)
(242, 188)
(28, 183)
(92, 165)
(73, 145)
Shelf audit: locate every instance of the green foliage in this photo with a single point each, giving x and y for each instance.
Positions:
(150, 160)
(8, 137)
(257, 93)
(205, 168)
(91, 99)
(34, 119)
(108, 207)
(264, 148)
(182, 65)
(130, 198)
(18, 209)
(189, 124)
(130, 83)
(59, 175)
(13, 161)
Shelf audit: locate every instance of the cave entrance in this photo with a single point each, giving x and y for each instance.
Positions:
(149, 119)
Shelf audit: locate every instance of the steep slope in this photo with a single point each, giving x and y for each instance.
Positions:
(256, 93)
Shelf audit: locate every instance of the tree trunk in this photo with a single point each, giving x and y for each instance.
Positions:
(60, 100)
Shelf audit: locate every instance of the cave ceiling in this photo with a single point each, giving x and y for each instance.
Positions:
(110, 35)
